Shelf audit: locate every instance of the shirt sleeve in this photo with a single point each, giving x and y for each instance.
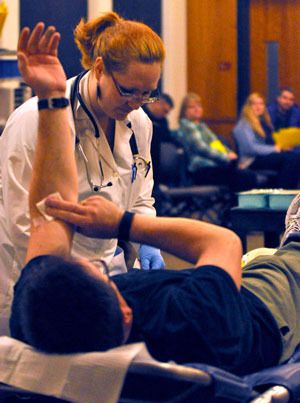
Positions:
(16, 153)
(248, 142)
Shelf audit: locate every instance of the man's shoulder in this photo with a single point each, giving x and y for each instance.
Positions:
(296, 108)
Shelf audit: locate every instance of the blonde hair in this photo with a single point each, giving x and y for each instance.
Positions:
(190, 96)
(254, 121)
(118, 42)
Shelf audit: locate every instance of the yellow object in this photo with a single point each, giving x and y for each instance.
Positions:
(219, 146)
(3, 14)
(256, 252)
(287, 138)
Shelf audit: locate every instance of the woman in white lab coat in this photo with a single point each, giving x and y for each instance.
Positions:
(112, 135)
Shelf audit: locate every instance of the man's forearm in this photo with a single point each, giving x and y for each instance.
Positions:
(54, 167)
(197, 242)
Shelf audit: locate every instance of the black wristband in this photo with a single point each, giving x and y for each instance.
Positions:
(53, 103)
(125, 225)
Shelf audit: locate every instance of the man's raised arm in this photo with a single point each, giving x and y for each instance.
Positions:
(54, 168)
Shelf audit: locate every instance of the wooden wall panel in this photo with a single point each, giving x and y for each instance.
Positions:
(275, 20)
(212, 59)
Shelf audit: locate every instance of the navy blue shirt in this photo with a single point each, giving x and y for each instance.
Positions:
(193, 315)
(198, 315)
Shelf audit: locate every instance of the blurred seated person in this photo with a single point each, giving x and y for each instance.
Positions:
(252, 135)
(284, 112)
(158, 112)
(209, 160)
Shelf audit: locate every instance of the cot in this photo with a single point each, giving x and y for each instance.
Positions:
(128, 374)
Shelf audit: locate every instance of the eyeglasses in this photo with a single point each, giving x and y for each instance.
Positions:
(144, 99)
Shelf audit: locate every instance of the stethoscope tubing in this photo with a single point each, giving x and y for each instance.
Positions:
(75, 94)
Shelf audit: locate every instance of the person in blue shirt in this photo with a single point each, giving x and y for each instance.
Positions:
(256, 148)
(284, 112)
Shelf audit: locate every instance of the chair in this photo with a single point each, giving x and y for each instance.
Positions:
(176, 196)
(26, 375)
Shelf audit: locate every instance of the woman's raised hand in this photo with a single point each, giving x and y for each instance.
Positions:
(38, 61)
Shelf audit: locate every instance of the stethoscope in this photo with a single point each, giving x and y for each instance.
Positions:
(139, 162)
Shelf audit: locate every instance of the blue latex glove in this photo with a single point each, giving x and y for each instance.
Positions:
(150, 258)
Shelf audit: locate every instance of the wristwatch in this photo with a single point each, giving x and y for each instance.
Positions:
(53, 103)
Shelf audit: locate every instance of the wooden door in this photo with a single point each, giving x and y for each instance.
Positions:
(212, 59)
(274, 23)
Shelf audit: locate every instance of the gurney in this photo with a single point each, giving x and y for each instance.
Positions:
(128, 374)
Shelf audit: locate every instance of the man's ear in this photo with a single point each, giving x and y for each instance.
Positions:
(98, 67)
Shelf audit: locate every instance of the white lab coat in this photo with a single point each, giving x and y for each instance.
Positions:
(17, 145)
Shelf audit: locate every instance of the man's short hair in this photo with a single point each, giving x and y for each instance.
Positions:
(64, 309)
(166, 97)
(286, 88)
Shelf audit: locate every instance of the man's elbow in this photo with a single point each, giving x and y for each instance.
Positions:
(235, 243)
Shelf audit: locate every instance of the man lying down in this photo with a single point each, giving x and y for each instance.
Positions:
(213, 313)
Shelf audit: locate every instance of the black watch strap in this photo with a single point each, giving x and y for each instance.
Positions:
(53, 103)
(125, 226)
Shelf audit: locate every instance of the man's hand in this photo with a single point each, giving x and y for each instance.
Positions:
(38, 62)
(94, 217)
(151, 258)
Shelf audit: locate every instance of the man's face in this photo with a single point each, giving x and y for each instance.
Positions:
(286, 100)
(160, 109)
(95, 271)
